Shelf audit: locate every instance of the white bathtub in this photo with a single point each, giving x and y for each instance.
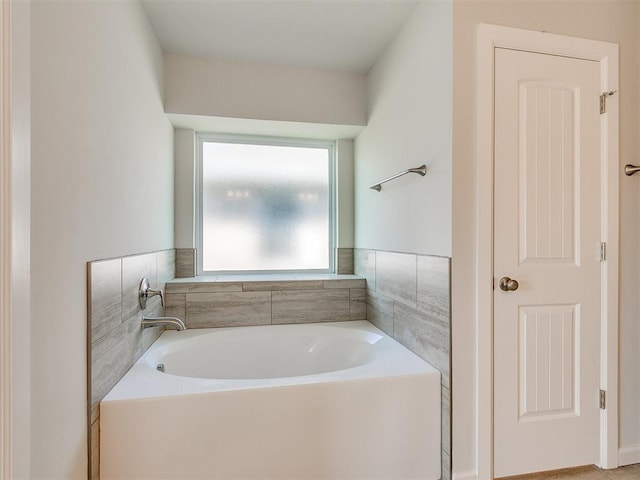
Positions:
(331, 401)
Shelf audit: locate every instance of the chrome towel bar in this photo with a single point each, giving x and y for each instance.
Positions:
(631, 169)
(421, 170)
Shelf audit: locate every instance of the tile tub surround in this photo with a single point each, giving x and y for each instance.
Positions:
(185, 262)
(408, 297)
(115, 339)
(344, 261)
(245, 300)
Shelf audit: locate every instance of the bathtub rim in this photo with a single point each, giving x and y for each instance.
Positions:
(144, 382)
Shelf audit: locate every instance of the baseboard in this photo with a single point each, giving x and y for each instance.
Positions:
(464, 476)
(629, 455)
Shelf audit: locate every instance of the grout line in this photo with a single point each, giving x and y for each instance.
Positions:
(416, 293)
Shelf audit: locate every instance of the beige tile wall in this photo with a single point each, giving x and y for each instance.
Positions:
(408, 297)
(230, 309)
(115, 338)
(344, 261)
(214, 303)
(185, 262)
(405, 295)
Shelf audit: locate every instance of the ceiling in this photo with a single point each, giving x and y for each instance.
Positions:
(343, 35)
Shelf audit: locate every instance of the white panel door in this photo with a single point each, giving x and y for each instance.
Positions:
(547, 237)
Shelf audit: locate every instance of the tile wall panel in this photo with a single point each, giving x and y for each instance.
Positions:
(134, 268)
(424, 335)
(364, 265)
(350, 283)
(396, 276)
(185, 262)
(150, 335)
(203, 287)
(94, 455)
(115, 338)
(242, 300)
(445, 465)
(282, 285)
(112, 356)
(175, 305)
(380, 311)
(105, 296)
(446, 419)
(344, 261)
(357, 304)
(310, 306)
(434, 286)
(408, 297)
(228, 309)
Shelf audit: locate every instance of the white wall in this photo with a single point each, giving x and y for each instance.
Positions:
(410, 123)
(344, 193)
(599, 20)
(185, 188)
(21, 244)
(223, 88)
(101, 186)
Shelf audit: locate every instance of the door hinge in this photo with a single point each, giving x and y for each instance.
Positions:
(603, 100)
(603, 251)
(603, 399)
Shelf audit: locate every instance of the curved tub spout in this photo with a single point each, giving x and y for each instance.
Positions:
(170, 322)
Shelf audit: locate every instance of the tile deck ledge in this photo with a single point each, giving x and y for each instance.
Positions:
(265, 282)
(266, 277)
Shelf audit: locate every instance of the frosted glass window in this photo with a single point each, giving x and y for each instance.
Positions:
(265, 207)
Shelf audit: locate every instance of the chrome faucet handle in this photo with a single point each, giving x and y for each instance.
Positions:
(145, 291)
(159, 293)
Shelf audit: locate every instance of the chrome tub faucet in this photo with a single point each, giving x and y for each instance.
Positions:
(169, 322)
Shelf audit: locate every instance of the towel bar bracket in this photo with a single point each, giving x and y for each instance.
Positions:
(631, 169)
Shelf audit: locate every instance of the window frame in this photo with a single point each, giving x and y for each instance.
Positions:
(329, 145)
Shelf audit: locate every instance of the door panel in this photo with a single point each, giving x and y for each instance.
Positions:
(546, 359)
(546, 134)
(547, 224)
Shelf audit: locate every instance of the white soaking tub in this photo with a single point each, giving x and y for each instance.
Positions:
(314, 401)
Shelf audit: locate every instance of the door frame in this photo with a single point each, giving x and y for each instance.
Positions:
(490, 37)
(5, 241)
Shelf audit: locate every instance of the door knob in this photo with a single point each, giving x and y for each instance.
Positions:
(508, 284)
